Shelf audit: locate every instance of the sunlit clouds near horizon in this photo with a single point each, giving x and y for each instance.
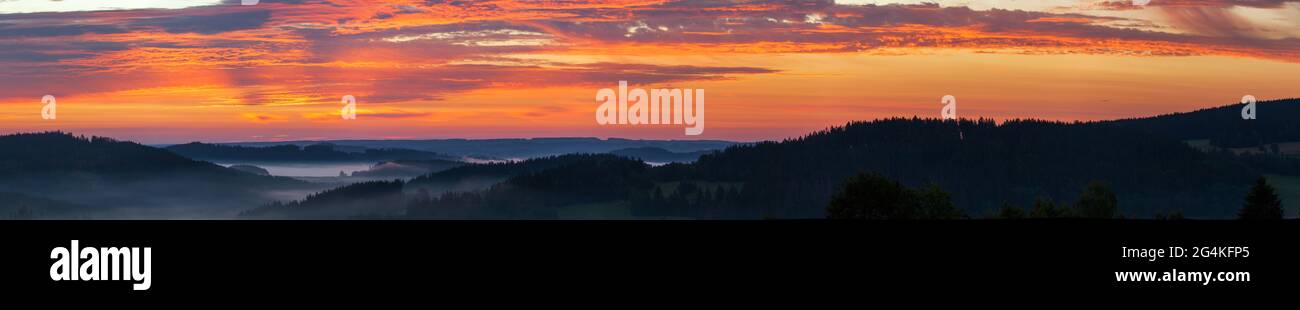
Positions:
(178, 71)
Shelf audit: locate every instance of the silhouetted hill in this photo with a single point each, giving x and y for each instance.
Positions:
(658, 155)
(251, 169)
(407, 168)
(983, 166)
(126, 179)
(1276, 121)
(583, 179)
(518, 148)
(480, 176)
(981, 163)
(533, 189)
(323, 152)
(376, 199)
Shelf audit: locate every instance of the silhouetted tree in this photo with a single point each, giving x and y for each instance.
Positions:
(1262, 203)
(1097, 201)
(1045, 208)
(1009, 211)
(1172, 215)
(934, 203)
(872, 196)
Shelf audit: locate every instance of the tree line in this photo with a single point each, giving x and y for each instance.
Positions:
(870, 196)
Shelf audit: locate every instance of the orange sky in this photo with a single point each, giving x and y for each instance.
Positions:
(488, 69)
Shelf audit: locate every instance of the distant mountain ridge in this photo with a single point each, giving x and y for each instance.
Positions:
(981, 163)
(479, 176)
(516, 148)
(533, 188)
(320, 152)
(108, 176)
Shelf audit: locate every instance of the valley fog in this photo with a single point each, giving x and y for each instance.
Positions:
(306, 169)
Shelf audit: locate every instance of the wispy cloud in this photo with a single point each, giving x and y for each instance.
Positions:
(289, 56)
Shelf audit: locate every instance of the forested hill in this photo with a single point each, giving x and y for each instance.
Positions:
(658, 155)
(516, 148)
(480, 176)
(602, 180)
(292, 153)
(982, 164)
(103, 174)
(1276, 121)
(374, 199)
(531, 189)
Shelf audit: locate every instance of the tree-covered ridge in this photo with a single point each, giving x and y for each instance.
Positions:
(58, 151)
(531, 189)
(1027, 167)
(578, 179)
(102, 174)
(483, 175)
(292, 153)
(515, 148)
(394, 169)
(981, 166)
(658, 155)
(375, 199)
(1276, 121)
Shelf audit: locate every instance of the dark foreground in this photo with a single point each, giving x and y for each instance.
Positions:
(653, 259)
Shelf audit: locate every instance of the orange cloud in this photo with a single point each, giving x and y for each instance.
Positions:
(1054, 19)
(262, 118)
(412, 61)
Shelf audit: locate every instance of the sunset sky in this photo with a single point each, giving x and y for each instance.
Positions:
(177, 71)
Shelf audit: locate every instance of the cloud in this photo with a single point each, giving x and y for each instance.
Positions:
(435, 32)
(1129, 5)
(10, 31)
(394, 114)
(545, 111)
(307, 52)
(207, 24)
(262, 118)
(382, 113)
(386, 86)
